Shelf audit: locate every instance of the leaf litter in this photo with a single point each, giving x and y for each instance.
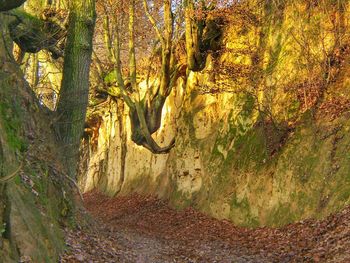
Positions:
(143, 229)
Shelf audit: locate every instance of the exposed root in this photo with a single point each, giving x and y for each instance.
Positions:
(12, 175)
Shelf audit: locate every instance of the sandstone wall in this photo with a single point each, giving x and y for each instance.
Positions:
(261, 133)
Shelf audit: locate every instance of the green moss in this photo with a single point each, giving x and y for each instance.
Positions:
(111, 77)
(17, 180)
(241, 212)
(10, 114)
(12, 124)
(28, 18)
(179, 200)
(188, 119)
(293, 109)
(283, 214)
(36, 228)
(303, 173)
(140, 183)
(241, 204)
(251, 150)
(302, 199)
(245, 146)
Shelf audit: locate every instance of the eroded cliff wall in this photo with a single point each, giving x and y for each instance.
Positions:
(262, 133)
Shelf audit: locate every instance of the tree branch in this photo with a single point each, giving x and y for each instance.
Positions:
(150, 142)
(6, 5)
(12, 175)
(153, 21)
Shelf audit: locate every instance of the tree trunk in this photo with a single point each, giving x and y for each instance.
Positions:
(193, 33)
(73, 101)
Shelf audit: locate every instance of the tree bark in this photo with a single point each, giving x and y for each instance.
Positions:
(193, 33)
(73, 101)
(6, 5)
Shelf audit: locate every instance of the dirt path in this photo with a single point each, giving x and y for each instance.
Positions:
(143, 229)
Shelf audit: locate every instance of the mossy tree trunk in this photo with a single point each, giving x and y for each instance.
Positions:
(6, 5)
(73, 101)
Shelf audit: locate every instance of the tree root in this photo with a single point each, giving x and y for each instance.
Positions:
(12, 175)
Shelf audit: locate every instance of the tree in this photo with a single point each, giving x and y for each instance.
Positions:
(145, 112)
(6, 5)
(178, 28)
(32, 34)
(73, 99)
(194, 26)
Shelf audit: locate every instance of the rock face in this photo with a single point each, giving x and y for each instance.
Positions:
(262, 133)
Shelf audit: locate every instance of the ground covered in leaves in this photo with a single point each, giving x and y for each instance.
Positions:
(144, 229)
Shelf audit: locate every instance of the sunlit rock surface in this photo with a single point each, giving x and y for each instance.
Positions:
(252, 145)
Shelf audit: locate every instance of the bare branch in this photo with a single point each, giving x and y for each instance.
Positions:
(153, 21)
